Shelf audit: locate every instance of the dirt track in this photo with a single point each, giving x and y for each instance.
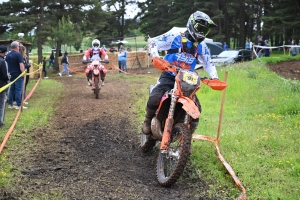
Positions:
(90, 150)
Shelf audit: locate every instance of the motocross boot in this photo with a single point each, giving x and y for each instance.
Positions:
(102, 81)
(89, 81)
(146, 129)
(193, 126)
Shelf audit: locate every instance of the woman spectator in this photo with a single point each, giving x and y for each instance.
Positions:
(27, 65)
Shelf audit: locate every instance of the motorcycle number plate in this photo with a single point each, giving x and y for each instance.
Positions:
(190, 78)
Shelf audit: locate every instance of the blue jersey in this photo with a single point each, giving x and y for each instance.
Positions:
(175, 42)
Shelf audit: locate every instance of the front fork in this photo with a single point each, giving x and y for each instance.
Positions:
(166, 137)
(93, 80)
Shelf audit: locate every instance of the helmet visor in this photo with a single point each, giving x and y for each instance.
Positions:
(201, 29)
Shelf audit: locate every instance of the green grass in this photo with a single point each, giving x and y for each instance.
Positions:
(40, 108)
(260, 133)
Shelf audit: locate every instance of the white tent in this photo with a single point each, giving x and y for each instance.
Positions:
(175, 30)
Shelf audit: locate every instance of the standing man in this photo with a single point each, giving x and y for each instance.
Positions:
(260, 50)
(124, 66)
(15, 67)
(4, 77)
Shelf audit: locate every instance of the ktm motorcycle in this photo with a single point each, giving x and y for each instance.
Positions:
(171, 124)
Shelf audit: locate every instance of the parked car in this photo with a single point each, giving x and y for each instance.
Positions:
(232, 56)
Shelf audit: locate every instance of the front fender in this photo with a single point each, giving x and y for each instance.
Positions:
(189, 106)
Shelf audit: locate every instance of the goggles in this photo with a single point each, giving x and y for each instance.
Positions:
(201, 29)
(96, 45)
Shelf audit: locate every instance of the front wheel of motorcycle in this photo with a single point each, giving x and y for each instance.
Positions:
(171, 163)
(96, 87)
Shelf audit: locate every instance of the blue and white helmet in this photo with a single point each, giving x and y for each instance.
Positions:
(96, 44)
(199, 25)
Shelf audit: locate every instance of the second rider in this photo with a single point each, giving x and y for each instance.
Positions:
(94, 54)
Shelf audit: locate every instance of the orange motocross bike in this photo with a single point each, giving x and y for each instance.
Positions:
(171, 124)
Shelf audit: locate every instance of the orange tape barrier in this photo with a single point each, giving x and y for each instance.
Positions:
(10, 130)
(216, 142)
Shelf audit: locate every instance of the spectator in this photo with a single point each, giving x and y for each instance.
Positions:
(294, 50)
(120, 46)
(120, 59)
(44, 68)
(129, 49)
(65, 63)
(112, 49)
(4, 77)
(124, 59)
(260, 50)
(104, 48)
(247, 45)
(225, 47)
(16, 67)
(51, 60)
(250, 45)
(267, 50)
(27, 65)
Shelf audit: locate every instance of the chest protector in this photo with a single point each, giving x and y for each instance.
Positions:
(191, 50)
(94, 52)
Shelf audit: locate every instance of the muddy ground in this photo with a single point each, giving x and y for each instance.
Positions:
(90, 150)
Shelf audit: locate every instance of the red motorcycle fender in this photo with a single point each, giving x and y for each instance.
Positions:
(189, 106)
(166, 137)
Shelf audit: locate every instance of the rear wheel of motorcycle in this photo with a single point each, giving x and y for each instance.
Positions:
(171, 164)
(147, 142)
(96, 87)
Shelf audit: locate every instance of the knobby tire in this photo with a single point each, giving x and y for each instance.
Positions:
(177, 167)
(97, 87)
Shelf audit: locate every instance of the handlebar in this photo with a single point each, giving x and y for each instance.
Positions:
(165, 66)
(90, 61)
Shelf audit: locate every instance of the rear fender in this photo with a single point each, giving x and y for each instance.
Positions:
(190, 107)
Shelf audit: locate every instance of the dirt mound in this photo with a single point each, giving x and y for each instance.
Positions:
(288, 70)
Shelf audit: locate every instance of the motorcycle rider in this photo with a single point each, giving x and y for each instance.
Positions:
(90, 67)
(184, 48)
(95, 53)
